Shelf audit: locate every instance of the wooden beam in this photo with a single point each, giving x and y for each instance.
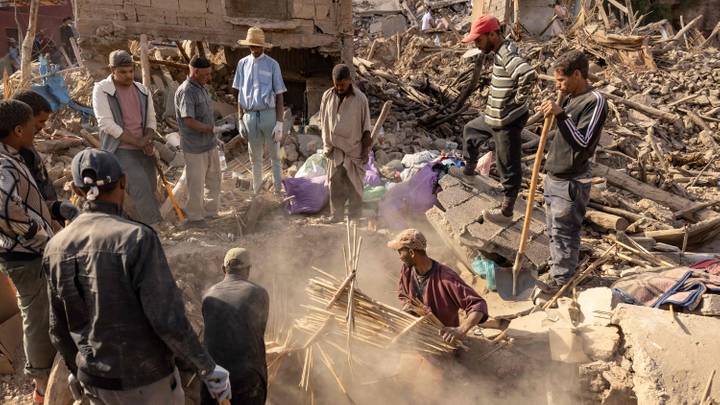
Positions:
(145, 61)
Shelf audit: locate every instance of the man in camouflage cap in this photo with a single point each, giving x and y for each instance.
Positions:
(426, 285)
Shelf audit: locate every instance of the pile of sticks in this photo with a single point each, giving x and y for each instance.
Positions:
(376, 324)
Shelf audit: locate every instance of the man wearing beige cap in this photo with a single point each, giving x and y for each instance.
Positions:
(260, 87)
(426, 285)
(235, 313)
(126, 117)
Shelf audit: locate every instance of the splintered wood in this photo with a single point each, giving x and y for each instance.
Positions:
(376, 324)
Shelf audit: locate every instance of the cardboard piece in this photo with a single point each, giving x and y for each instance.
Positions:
(10, 325)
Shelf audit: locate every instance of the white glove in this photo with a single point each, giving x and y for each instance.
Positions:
(278, 131)
(222, 129)
(242, 129)
(218, 383)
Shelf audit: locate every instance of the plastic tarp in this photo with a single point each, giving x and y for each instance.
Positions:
(306, 196)
(409, 198)
(314, 166)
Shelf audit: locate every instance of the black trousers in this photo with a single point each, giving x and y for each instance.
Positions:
(508, 150)
(342, 191)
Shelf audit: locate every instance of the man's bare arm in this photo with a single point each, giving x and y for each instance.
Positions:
(279, 107)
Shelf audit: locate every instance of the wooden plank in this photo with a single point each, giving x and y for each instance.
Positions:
(619, 6)
(145, 61)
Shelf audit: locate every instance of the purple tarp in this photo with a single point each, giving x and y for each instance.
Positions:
(409, 198)
(308, 196)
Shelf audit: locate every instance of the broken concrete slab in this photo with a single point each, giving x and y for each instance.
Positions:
(599, 342)
(566, 345)
(530, 335)
(710, 305)
(672, 356)
(596, 305)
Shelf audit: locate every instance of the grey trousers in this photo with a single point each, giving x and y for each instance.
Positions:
(565, 205)
(342, 191)
(167, 390)
(32, 294)
(141, 186)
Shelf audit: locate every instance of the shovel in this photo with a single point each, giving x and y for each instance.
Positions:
(521, 283)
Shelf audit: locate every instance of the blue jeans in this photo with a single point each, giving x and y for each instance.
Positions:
(565, 205)
(260, 126)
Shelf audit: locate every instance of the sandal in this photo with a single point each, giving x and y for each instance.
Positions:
(37, 398)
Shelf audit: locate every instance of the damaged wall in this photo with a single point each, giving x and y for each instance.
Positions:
(534, 14)
(288, 24)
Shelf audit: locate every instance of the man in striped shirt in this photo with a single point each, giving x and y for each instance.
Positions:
(580, 120)
(506, 112)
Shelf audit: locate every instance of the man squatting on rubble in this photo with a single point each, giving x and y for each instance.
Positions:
(261, 106)
(126, 117)
(426, 285)
(26, 225)
(580, 121)
(116, 315)
(235, 313)
(199, 142)
(505, 114)
(345, 127)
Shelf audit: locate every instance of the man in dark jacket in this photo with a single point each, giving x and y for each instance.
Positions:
(116, 315)
(434, 287)
(580, 120)
(235, 313)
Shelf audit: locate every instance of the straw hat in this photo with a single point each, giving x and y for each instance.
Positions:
(255, 37)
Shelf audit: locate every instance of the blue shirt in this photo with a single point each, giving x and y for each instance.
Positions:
(258, 80)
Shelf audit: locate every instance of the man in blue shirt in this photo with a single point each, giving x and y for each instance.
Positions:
(260, 105)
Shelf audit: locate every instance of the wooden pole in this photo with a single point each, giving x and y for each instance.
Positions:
(145, 61)
(549, 121)
(27, 45)
(76, 51)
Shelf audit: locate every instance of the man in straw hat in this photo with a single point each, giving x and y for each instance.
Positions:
(428, 286)
(235, 313)
(126, 117)
(345, 125)
(116, 315)
(505, 114)
(260, 87)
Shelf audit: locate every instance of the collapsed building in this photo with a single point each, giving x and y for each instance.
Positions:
(308, 36)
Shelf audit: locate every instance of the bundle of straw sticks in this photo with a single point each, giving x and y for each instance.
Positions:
(375, 323)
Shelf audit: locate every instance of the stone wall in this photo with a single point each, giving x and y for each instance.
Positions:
(288, 24)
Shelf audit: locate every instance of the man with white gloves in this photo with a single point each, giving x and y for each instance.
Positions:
(116, 315)
(199, 142)
(260, 86)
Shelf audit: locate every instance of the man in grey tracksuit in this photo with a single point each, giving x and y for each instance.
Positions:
(580, 120)
(126, 117)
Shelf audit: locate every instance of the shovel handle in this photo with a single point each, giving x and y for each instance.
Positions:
(549, 121)
(168, 189)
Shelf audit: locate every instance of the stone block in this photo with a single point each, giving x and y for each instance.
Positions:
(309, 144)
(530, 334)
(453, 197)
(596, 305)
(461, 216)
(566, 345)
(710, 305)
(600, 342)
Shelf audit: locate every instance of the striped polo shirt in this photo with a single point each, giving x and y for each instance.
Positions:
(510, 85)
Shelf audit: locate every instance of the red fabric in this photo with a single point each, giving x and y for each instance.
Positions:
(482, 25)
(131, 113)
(445, 294)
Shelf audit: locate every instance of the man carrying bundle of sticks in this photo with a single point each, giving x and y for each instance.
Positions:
(580, 121)
(428, 286)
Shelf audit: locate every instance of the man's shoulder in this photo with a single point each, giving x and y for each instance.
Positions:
(359, 94)
(227, 288)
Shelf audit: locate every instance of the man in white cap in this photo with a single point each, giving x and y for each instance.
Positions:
(260, 87)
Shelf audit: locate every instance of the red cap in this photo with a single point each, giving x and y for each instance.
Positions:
(482, 25)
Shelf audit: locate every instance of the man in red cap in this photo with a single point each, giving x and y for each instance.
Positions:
(505, 114)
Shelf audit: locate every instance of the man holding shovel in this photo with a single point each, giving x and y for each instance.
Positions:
(505, 114)
(580, 120)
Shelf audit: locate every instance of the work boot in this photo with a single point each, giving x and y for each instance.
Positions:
(502, 215)
(547, 284)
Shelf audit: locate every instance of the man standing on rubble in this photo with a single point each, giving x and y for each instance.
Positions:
(261, 106)
(506, 113)
(580, 121)
(126, 117)
(345, 126)
(61, 210)
(426, 285)
(116, 315)
(235, 313)
(199, 142)
(26, 225)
